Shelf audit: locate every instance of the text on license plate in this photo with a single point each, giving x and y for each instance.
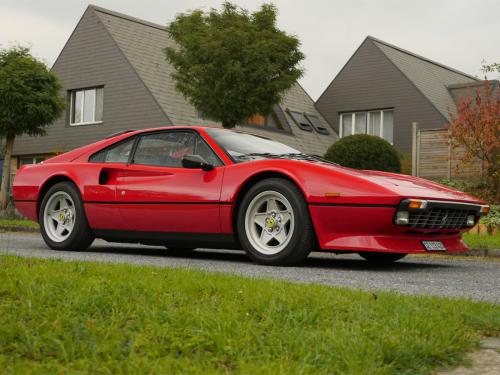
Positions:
(434, 246)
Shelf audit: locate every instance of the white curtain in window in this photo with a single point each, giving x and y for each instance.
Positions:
(77, 106)
(388, 128)
(346, 124)
(89, 105)
(374, 123)
(360, 123)
(99, 102)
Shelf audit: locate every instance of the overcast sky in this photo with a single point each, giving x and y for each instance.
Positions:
(457, 33)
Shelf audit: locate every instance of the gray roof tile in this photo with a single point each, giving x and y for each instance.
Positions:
(430, 77)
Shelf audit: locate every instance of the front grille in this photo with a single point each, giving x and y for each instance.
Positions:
(439, 218)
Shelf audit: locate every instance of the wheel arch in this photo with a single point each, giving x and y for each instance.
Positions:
(252, 180)
(48, 183)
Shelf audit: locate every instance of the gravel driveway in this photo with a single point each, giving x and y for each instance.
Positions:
(475, 279)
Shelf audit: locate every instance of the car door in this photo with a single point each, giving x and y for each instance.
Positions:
(100, 186)
(155, 193)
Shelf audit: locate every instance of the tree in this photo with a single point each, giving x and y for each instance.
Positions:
(476, 128)
(488, 68)
(231, 64)
(29, 102)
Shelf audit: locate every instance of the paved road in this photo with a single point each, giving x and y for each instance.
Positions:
(478, 280)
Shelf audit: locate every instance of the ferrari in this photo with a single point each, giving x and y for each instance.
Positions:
(189, 187)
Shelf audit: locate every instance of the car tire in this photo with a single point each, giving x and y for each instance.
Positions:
(63, 223)
(273, 223)
(381, 258)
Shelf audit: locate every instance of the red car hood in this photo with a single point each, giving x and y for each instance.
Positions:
(409, 186)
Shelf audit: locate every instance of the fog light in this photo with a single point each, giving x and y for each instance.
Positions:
(402, 217)
(470, 221)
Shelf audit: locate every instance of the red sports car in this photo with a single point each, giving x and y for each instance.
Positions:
(188, 187)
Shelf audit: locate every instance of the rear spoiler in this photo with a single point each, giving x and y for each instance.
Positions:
(119, 133)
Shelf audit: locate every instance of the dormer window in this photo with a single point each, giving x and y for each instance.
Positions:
(269, 121)
(301, 120)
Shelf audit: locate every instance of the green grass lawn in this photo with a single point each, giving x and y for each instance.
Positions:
(60, 317)
(18, 223)
(482, 241)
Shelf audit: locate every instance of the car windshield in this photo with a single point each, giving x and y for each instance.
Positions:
(243, 147)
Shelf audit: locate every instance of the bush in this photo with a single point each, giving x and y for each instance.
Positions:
(364, 151)
(492, 220)
(476, 187)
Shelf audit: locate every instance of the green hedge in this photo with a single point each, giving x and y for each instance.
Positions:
(362, 151)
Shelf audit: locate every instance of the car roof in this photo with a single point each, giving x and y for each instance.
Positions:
(186, 127)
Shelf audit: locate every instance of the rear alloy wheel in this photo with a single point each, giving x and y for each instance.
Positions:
(273, 223)
(381, 258)
(63, 223)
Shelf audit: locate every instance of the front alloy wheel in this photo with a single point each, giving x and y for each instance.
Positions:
(269, 222)
(273, 223)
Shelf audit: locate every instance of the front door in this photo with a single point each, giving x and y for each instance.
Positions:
(155, 193)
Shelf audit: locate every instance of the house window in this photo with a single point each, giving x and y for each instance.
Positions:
(86, 106)
(269, 121)
(30, 160)
(308, 121)
(257, 120)
(301, 120)
(379, 123)
(316, 123)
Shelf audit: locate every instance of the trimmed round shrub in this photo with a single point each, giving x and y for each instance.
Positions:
(362, 151)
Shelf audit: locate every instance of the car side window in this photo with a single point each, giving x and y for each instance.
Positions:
(164, 149)
(206, 152)
(119, 153)
(167, 149)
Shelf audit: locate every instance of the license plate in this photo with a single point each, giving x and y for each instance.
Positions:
(434, 246)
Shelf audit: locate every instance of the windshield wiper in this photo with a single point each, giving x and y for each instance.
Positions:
(290, 155)
(303, 156)
(263, 154)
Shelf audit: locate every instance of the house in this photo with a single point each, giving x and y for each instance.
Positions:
(115, 77)
(383, 89)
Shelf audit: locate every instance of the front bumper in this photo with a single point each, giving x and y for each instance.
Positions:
(371, 228)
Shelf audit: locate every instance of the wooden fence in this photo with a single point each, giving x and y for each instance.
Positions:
(434, 158)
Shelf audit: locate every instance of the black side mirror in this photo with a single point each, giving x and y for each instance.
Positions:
(196, 162)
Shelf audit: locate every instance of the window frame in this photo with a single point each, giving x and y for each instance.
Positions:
(72, 96)
(367, 120)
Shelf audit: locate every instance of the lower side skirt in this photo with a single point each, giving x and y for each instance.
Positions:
(208, 240)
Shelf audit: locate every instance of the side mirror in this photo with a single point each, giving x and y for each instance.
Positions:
(196, 162)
